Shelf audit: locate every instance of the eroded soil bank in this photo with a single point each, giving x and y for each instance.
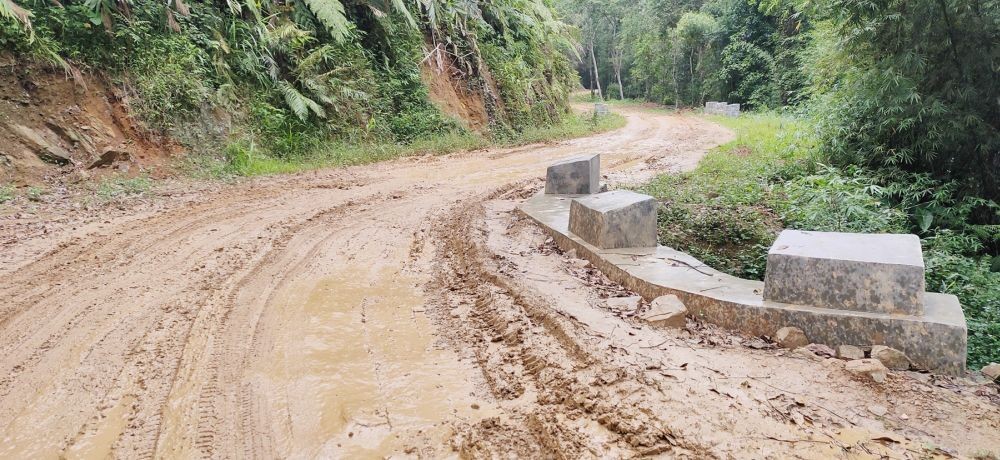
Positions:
(403, 309)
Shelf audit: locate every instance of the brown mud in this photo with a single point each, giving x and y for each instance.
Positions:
(402, 309)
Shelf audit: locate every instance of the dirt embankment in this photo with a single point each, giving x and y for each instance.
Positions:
(56, 127)
(402, 309)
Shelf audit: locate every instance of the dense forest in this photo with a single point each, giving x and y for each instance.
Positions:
(878, 116)
(296, 73)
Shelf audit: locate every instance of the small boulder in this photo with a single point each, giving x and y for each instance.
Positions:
(109, 156)
(870, 368)
(666, 311)
(791, 337)
(891, 357)
(850, 352)
(822, 350)
(992, 372)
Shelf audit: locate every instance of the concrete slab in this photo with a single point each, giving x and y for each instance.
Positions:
(935, 340)
(847, 271)
(577, 175)
(617, 219)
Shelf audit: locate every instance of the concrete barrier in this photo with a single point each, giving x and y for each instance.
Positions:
(847, 271)
(578, 175)
(601, 109)
(934, 339)
(618, 219)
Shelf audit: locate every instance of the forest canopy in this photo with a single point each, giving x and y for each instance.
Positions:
(910, 85)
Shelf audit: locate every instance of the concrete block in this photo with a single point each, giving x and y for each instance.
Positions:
(732, 110)
(878, 273)
(601, 109)
(618, 219)
(578, 175)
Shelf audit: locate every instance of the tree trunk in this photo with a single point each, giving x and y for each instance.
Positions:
(597, 74)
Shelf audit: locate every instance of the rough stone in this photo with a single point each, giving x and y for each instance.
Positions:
(992, 372)
(891, 357)
(108, 156)
(822, 350)
(666, 311)
(578, 175)
(791, 337)
(850, 352)
(45, 150)
(618, 219)
(871, 368)
(846, 271)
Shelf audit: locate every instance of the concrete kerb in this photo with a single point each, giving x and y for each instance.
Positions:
(935, 340)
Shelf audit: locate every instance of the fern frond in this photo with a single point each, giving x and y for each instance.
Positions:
(331, 14)
(299, 103)
(11, 11)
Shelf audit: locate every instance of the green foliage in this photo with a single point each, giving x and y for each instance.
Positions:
(118, 187)
(6, 193)
(728, 211)
(912, 85)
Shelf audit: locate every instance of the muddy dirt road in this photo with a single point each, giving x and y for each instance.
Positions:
(403, 309)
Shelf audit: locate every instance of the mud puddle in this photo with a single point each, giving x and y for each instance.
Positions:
(363, 374)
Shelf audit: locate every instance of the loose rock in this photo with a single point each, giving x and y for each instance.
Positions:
(891, 357)
(108, 156)
(791, 337)
(871, 368)
(850, 352)
(992, 372)
(666, 311)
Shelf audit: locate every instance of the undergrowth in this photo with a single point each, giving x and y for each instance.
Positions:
(246, 158)
(728, 211)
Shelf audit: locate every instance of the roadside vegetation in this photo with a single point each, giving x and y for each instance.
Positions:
(247, 159)
(728, 211)
(278, 81)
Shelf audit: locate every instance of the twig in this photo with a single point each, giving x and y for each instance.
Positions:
(688, 265)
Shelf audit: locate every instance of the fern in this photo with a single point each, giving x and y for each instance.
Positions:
(11, 11)
(299, 103)
(331, 14)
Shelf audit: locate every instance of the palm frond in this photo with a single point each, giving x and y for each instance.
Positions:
(11, 11)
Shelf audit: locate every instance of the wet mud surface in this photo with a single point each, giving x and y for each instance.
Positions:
(402, 309)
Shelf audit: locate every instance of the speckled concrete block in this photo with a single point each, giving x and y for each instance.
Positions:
(934, 340)
(579, 175)
(847, 271)
(732, 110)
(601, 109)
(618, 219)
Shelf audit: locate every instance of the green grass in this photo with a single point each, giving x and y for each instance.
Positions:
(6, 193)
(244, 158)
(725, 212)
(728, 211)
(117, 187)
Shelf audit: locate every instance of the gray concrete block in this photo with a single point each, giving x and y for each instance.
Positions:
(618, 219)
(578, 175)
(732, 110)
(601, 109)
(878, 273)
